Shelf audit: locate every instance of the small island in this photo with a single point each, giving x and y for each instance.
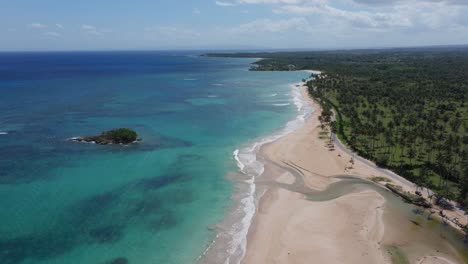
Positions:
(115, 136)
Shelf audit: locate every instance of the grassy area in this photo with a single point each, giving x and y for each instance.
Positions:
(379, 179)
(397, 256)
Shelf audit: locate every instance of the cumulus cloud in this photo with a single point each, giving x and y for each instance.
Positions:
(37, 25)
(88, 27)
(377, 14)
(59, 26)
(359, 19)
(424, 15)
(196, 11)
(93, 30)
(396, 2)
(222, 3)
(285, 2)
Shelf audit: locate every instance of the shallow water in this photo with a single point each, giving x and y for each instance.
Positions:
(408, 229)
(153, 202)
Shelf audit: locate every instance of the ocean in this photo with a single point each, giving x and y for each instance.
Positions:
(158, 201)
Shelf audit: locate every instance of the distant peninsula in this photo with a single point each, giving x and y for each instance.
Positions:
(115, 136)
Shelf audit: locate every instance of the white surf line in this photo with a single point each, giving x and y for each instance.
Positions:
(248, 164)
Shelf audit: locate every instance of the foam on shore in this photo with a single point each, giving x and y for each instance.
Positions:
(251, 167)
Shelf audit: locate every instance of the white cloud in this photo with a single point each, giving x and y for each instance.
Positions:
(358, 19)
(396, 2)
(59, 26)
(222, 3)
(196, 11)
(435, 16)
(88, 27)
(93, 30)
(285, 2)
(11, 30)
(37, 26)
(381, 15)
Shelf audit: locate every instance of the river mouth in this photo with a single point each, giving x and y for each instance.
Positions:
(411, 231)
(412, 234)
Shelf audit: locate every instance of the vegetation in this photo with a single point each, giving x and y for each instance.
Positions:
(397, 255)
(121, 135)
(408, 197)
(115, 136)
(405, 109)
(379, 179)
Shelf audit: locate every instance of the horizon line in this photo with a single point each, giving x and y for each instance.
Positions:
(253, 49)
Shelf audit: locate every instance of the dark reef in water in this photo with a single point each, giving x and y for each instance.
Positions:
(145, 206)
(22, 163)
(120, 260)
(115, 136)
(107, 234)
(161, 181)
(103, 218)
(162, 221)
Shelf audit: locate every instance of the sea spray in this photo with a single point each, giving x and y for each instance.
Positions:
(239, 163)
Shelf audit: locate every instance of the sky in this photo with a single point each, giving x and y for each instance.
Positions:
(230, 24)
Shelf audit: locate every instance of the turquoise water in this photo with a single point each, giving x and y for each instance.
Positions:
(154, 202)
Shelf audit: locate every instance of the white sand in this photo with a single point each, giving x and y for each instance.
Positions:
(290, 229)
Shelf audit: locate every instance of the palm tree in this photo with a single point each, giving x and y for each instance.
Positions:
(333, 129)
(411, 154)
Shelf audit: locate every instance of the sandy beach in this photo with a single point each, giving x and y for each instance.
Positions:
(288, 228)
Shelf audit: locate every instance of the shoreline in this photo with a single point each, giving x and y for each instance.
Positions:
(279, 225)
(289, 229)
(282, 209)
(229, 244)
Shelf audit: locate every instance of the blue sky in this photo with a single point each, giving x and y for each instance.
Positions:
(225, 24)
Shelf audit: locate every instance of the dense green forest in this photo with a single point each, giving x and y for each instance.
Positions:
(405, 109)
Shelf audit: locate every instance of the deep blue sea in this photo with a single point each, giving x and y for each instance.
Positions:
(151, 202)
